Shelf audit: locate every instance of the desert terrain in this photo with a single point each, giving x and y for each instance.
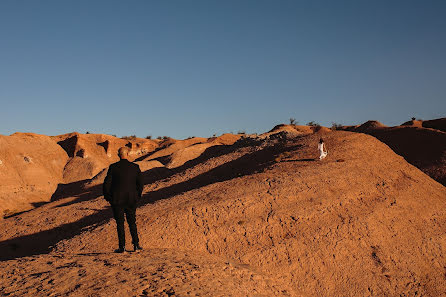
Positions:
(421, 143)
(231, 215)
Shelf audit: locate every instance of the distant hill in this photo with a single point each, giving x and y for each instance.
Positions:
(421, 143)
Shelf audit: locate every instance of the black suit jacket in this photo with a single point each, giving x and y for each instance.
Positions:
(123, 184)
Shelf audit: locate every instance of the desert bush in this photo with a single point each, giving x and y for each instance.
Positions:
(128, 137)
(335, 126)
(313, 124)
(241, 132)
(293, 121)
(149, 137)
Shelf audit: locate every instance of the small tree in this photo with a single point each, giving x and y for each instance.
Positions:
(149, 137)
(293, 121)
(335, 126)
(413, 118)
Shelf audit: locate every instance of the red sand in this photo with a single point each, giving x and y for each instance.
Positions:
(260, 217)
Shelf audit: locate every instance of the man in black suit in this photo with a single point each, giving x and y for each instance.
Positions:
(122, 188)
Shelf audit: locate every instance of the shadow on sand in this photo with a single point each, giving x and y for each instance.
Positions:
(42, 242)
(298, 160)
(82, 193)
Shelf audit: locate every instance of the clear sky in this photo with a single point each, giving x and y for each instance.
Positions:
(195, 68)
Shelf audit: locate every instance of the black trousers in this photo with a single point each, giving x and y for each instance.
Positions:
(130, 214)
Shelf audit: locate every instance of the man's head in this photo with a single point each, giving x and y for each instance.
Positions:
(123, 153)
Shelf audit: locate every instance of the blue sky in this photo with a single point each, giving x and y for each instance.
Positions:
(195, 68)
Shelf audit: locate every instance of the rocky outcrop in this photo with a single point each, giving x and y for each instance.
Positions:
(31, 167)
(91, 153)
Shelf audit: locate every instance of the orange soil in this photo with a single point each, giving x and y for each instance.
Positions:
(260, 217)
(423, 147)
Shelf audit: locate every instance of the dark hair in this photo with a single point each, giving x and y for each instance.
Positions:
(321, 140)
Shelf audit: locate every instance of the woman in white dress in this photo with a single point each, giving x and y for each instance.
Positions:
(322, 150)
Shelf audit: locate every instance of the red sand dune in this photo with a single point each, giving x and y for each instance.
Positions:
(437, 124)
(171, 145)
(294, 130)
(260, 217)
(181, 156)
(290, 129)
(174, 153)
(225, 139)
(413, 123)
(370, 125)
(423, 147)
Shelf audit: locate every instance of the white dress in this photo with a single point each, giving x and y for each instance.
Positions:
(322, 151)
